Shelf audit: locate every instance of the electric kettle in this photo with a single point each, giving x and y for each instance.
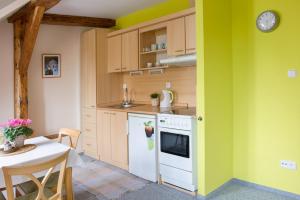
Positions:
(167, 100)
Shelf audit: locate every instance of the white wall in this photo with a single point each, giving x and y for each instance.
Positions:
(6, 72)
(53, 103)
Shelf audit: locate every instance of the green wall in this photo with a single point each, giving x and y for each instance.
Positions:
(266, 101)
(214, 93)
(156, 11)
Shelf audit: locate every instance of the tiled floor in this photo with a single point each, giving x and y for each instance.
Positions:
(100, 181)
(103, 180)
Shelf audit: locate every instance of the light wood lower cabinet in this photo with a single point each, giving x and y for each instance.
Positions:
(104, 136)
(112, 134)
(89, 132)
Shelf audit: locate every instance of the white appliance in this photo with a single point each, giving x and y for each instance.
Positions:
(177, 150)
(167, 100)
(185, 60)
(143, 154)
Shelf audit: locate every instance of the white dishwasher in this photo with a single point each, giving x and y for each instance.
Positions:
(143, 152)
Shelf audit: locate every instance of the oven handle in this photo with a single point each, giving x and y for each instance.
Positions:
(175, 131)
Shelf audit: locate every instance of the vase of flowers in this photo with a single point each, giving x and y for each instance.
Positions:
(16, 131)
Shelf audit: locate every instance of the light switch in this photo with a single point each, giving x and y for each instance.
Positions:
(292, 73)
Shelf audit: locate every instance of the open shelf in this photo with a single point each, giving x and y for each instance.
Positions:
(156, 35)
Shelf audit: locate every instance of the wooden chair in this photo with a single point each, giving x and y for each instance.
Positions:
(42, 192)
(72, 134)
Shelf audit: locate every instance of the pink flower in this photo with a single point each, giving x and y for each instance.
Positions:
(17, 122)
(27, 122)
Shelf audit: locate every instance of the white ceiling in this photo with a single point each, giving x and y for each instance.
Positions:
(4, 3)
(100, 8)
(8, 7)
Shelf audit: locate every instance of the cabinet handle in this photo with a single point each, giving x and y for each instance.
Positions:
(88, 115)
(117, 69)
(113, 113)
(88, 130)
(191, 49)
(177, 51)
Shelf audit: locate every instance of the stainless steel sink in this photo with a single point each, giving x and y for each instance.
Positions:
(121, 106)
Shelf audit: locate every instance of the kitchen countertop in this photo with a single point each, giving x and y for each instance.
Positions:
(148, 109)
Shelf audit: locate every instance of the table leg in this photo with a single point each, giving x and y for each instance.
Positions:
(69, 184)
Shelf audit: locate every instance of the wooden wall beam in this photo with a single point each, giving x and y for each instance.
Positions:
(25, 34)
(18, 42)
(69, 20)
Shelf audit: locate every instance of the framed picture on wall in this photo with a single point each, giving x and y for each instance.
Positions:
(51, 65)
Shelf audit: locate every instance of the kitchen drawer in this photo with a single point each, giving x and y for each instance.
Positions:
(89, 115)
(89, 129)
(177, 177)
(90, 146)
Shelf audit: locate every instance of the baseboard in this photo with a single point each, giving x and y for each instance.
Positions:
(215, 192)
(248, 184)
(265, 188)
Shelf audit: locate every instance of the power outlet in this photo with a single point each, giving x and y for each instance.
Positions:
(287, 164)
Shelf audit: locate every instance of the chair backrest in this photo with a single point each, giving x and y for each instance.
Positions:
(72, 134)
(29, 170)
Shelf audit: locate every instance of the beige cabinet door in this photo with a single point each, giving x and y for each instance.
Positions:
(176, 37)
(119, 139)
(190, 26)
(83, 69)
(88, 69)
(103, 135)
(115, 53)
(130, 51)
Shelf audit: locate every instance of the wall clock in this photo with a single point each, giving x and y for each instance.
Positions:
(267, 21)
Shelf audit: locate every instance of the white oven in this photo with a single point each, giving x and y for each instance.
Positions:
(177, 150)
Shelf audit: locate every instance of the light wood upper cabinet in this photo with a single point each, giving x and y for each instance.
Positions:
(123, 52)
(113, 137)
(115, 53)
(190, 26)
(176, 37)
(130, 51)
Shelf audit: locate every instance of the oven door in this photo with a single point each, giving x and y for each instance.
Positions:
(175, 148)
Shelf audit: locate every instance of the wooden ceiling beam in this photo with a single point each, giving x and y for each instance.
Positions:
(29, 7)
(69, 20)
(31, 31)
